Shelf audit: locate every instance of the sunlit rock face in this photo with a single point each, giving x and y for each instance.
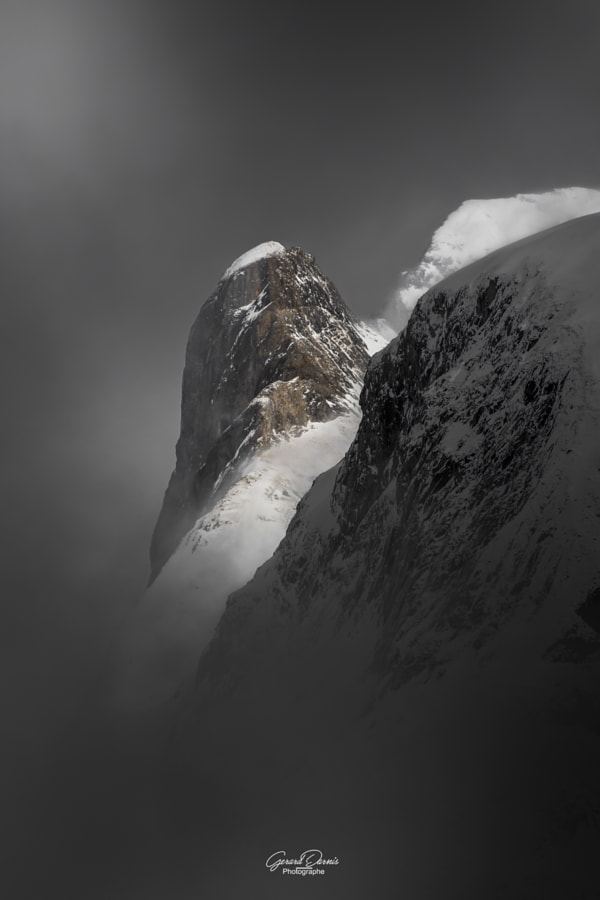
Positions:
(273, 348)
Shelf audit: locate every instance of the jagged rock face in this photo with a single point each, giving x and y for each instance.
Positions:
(470, 495)
(460, 437)
(272, 349)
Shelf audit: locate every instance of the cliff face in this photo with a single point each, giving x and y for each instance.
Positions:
(273, 348)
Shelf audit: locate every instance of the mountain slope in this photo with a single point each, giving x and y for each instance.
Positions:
(470, 492)
(419, 660)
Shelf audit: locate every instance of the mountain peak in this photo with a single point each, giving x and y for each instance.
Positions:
(274, 365)
(273, 348)
(261, 251)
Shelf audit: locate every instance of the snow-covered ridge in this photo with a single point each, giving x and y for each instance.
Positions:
(177, 616)
(261, 251)
(478, 227)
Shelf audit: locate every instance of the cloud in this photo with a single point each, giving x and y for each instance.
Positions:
(478, 227)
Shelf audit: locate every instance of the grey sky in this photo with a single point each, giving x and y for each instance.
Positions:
(147, 144)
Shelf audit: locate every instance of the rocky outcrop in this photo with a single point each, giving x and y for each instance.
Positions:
(273, 348)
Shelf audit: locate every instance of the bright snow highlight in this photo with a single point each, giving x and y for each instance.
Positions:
(261, 251)
(177, 616)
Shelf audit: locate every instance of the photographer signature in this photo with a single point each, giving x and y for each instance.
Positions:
(307, 860)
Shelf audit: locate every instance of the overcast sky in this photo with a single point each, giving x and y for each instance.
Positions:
(145, 145)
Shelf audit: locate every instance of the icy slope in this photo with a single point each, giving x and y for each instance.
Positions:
(177, 616)
(376, 333)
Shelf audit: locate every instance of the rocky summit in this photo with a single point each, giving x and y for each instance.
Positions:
(272, 349)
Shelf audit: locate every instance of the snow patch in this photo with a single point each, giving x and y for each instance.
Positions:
(376, 333)
(261, 251)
